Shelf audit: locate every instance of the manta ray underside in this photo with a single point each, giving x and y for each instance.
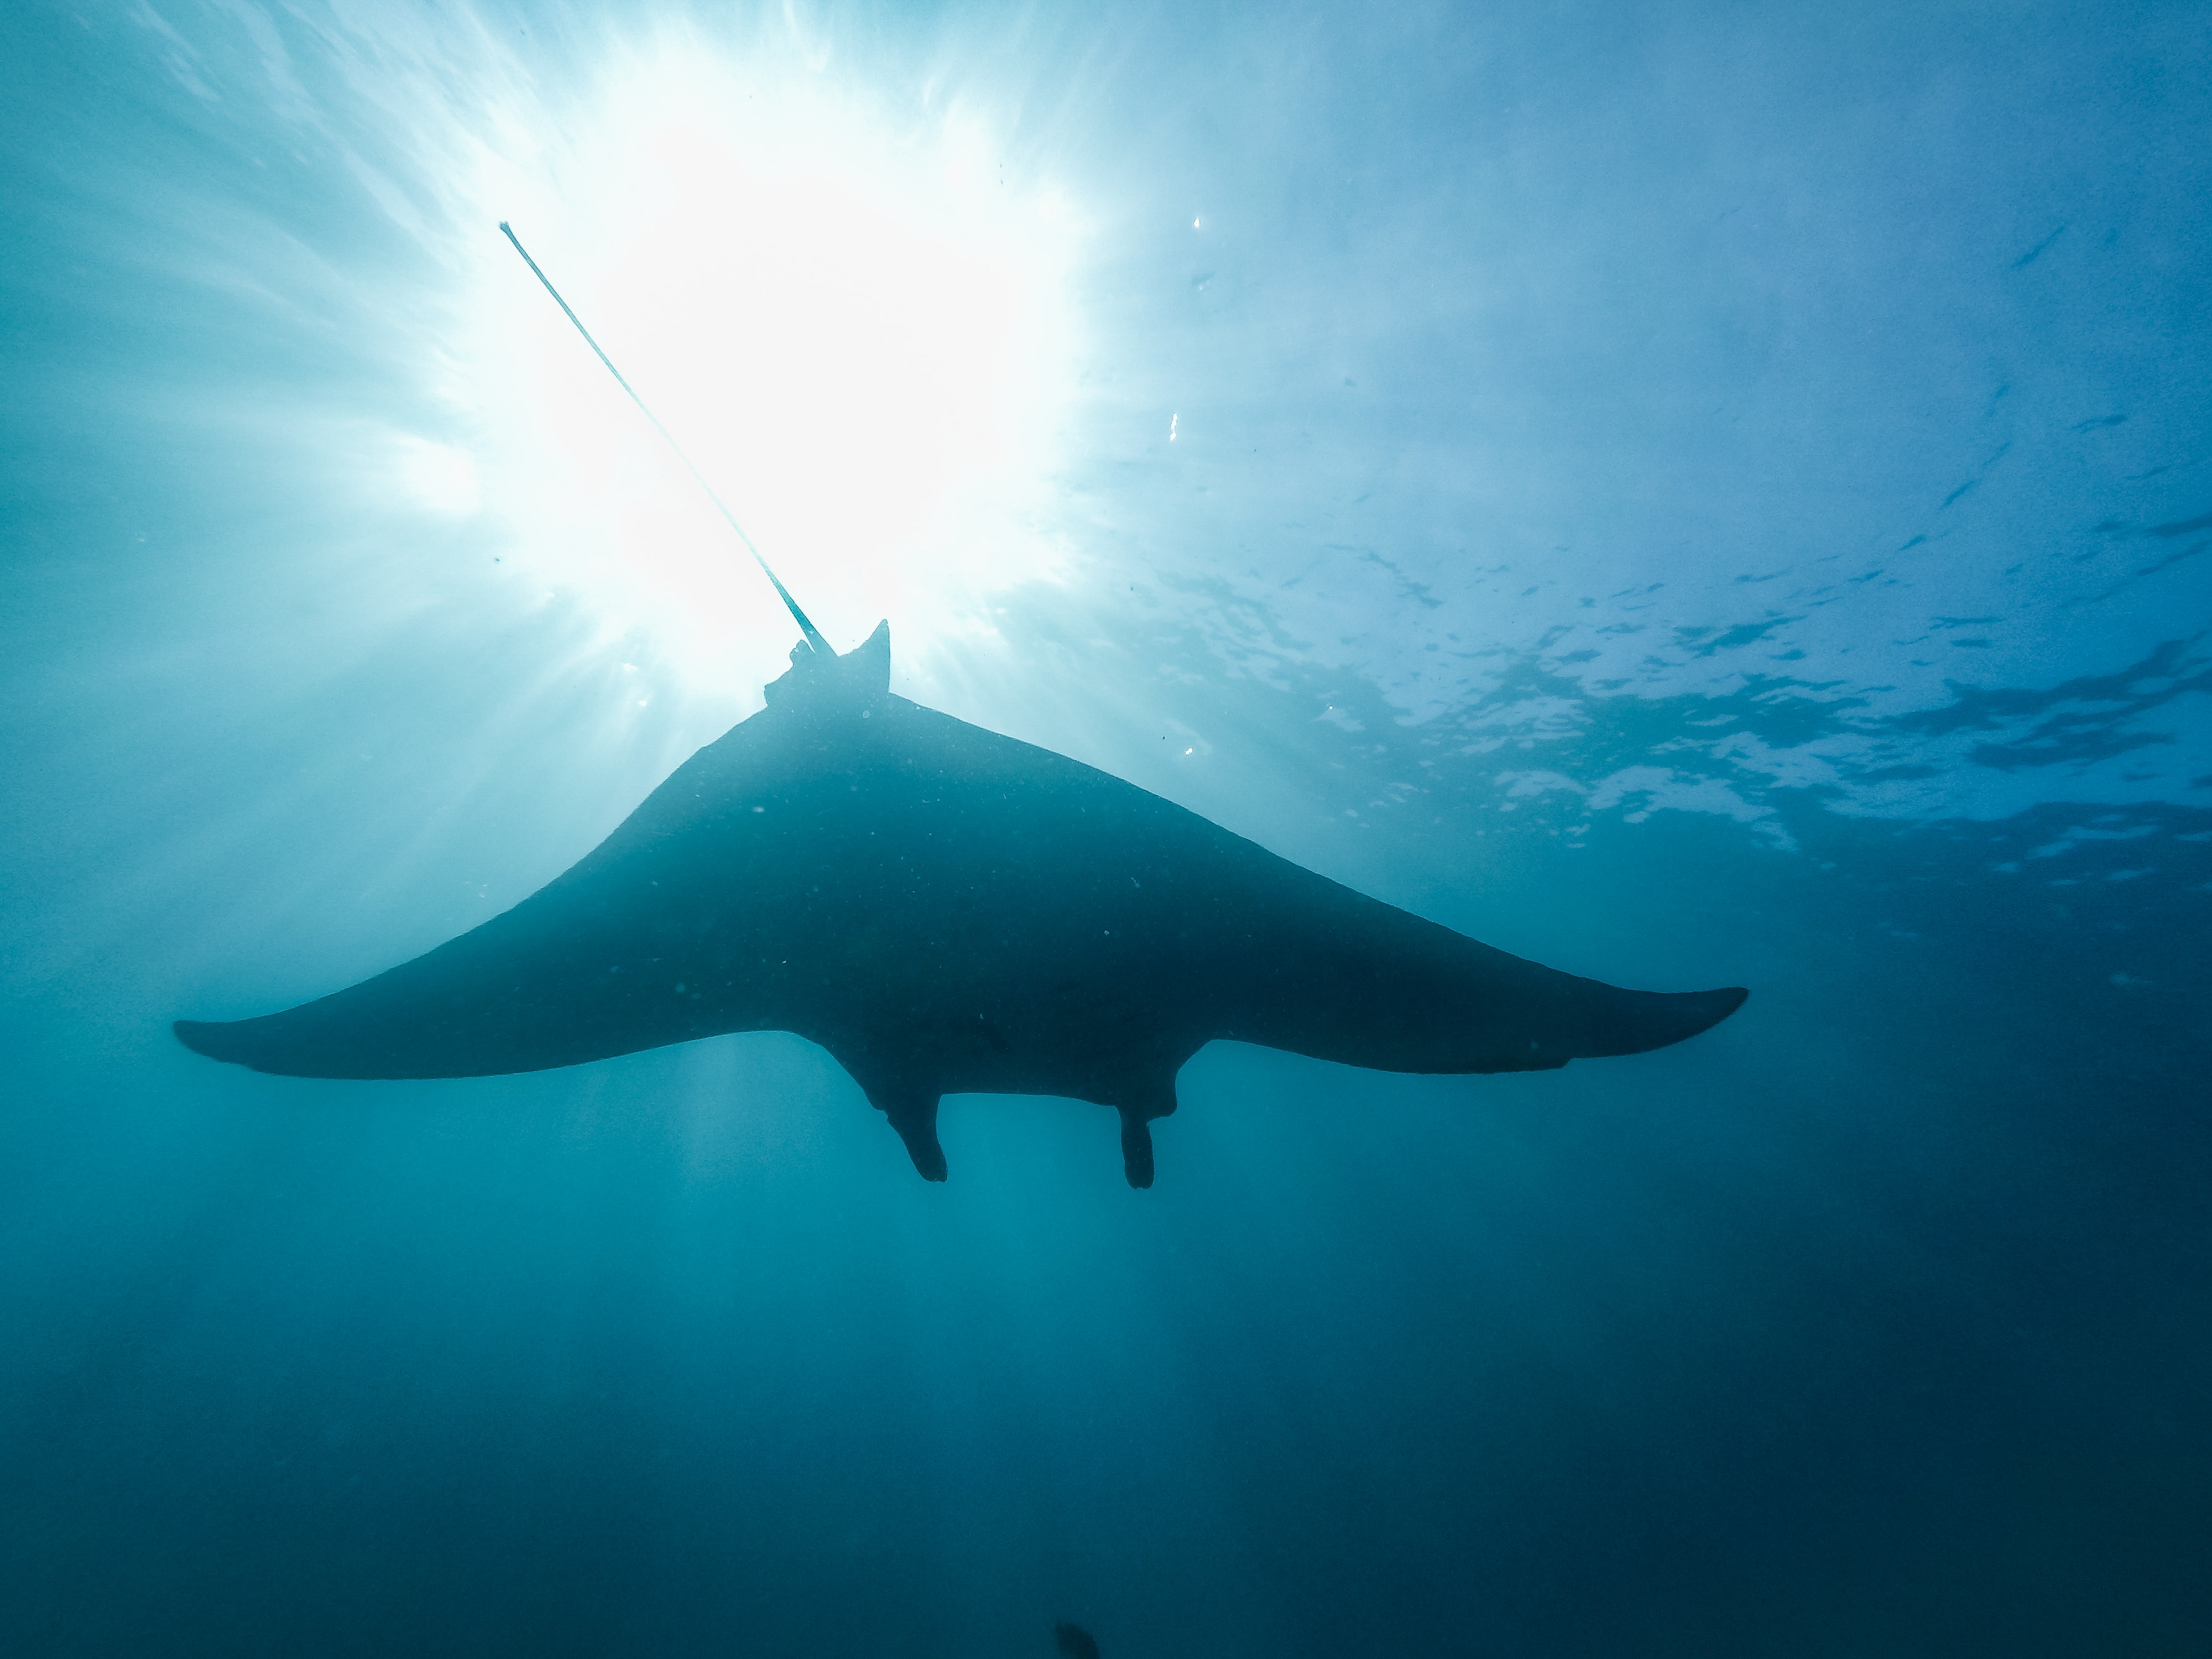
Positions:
(947, 911)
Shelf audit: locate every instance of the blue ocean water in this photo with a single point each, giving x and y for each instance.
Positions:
(1694, 496)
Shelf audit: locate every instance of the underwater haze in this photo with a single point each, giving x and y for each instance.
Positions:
(1702, 495)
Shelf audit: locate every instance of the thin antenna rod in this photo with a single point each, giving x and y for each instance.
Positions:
(814, 639)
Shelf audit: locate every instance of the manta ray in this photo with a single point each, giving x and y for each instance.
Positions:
(947, 911)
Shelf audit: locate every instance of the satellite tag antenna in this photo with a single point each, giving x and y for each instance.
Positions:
(814, 639)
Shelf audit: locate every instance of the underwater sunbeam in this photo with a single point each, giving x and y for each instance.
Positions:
(858, 328)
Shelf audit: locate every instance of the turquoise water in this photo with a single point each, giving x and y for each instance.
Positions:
(1701, 498)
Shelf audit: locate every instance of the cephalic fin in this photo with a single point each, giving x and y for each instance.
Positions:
(909, 1101)
(1137, 1108)
(1136, 1149)
(913, 1112)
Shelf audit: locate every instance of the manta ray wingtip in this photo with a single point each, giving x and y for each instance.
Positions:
(199, 1037)
(1655, 1021)
(1725, 1001)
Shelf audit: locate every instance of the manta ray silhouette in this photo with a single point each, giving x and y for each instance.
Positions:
(947, 911)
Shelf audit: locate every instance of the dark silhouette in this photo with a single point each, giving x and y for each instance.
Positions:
(947, 911)
(1074, 1642)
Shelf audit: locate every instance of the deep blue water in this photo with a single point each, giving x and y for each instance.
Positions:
(1694, 495)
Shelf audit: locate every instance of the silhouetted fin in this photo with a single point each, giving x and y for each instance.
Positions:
(1136, 1149)
(913, 1112)
(1640, 1021)
(1138, 1106)
(216, 1039)
(1073, 1642)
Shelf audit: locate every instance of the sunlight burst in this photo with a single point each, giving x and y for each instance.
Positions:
(858, 332)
